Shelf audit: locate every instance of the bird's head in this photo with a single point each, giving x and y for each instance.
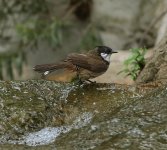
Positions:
(105, 52)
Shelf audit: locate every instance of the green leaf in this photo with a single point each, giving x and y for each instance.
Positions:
(134, 63)
(140, 58)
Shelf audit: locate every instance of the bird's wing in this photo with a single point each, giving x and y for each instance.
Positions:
(87, 62)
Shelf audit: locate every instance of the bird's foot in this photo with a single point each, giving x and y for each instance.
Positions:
(78, 81)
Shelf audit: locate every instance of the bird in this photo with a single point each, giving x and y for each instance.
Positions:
(86, 66)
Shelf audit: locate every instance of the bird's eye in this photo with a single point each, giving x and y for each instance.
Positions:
(103, 55)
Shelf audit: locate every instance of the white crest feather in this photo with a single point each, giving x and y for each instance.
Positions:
(46, 73)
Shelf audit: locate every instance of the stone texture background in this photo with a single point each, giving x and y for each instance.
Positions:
(156, 68)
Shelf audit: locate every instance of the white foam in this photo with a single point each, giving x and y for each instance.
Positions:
(49, 134)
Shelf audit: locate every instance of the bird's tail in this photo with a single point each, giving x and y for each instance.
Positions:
(49, 67)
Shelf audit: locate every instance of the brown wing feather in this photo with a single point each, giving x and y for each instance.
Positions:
(88, 62)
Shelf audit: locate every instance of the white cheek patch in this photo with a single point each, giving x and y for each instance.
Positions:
(106, 56)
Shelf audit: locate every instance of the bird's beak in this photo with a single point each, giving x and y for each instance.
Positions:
(114, 51)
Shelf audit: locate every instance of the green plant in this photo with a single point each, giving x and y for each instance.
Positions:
(33, 31)
(135, 63)
(12, 58)
(33, 23)
(26, 25)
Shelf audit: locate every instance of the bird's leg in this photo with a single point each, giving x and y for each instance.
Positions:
(79, 79)
(78, 76)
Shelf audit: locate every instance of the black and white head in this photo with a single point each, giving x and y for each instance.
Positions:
(105, 52)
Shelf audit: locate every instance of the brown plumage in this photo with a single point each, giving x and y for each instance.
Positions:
(86, 66)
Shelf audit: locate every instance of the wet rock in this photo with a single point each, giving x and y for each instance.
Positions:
(52, 115)
(139, 124)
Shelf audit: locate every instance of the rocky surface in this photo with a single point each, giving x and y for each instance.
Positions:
(50, 115)
(156, 67)
(125, 22)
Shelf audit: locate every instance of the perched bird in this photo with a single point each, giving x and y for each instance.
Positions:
(85, 66)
